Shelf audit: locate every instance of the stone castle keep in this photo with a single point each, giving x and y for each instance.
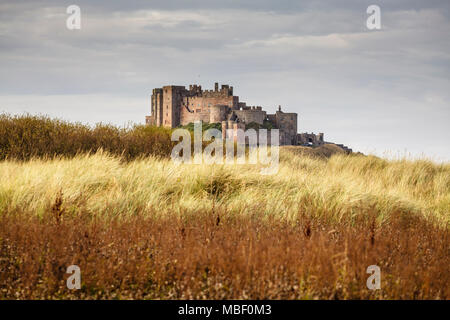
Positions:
(173, 106)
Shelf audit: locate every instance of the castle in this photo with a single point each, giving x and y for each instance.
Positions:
(173, 106)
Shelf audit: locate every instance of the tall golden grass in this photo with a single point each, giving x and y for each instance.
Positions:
(149, 228)
(339, 188)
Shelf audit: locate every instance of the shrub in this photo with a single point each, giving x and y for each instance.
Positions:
(24, 137)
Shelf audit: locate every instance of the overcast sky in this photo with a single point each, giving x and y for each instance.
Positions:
(373, 90)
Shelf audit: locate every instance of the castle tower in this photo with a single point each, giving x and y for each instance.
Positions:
(170, 108)
(217, 113)
(157, 101)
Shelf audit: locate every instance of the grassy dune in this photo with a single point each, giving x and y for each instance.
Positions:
(339, 188)
(139, 226)
(150, 229)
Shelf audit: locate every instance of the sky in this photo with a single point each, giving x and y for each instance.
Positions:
(385, 92)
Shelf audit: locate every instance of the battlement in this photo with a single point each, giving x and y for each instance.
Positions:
(224, 91)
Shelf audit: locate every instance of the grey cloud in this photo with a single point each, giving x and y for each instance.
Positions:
(314, 57)
(254, 5)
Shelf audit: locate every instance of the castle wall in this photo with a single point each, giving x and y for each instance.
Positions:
(187, 118)
(218, 113)
(252, 115)
(193, 110)
(157, 106)
(204, 102)
(272, 118)
(200, 108)
(287, 123)
(310, 139)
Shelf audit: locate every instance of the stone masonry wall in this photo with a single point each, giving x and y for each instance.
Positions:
(252, 115)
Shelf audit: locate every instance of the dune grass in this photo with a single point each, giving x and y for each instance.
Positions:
(339, 188)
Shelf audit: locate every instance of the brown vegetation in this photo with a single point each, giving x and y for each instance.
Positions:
(215, 255)
(26, 137)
